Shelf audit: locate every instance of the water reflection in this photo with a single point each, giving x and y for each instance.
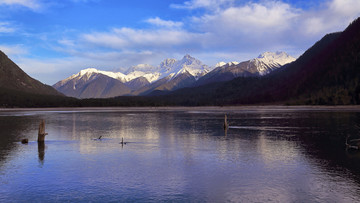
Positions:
(282, 156)
(41, 152)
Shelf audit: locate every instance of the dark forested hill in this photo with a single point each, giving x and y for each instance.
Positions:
(20, 90)
(13, 78)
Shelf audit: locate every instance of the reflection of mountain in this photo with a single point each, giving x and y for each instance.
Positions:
(185, 148)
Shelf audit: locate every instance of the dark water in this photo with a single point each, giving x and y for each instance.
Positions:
(268, 154)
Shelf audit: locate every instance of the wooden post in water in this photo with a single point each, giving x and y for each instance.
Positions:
(226, 125)
(122, 141)
(41, 133)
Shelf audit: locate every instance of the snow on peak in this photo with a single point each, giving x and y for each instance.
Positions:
(187, 64)
(268, 61)
(189, 60)
(278, 57)
(167, 65)
(221, 64)
(151, 77)
(86, 74)
(191, 65)
(88, 71)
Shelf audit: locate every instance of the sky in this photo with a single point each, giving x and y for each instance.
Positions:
(51, 40)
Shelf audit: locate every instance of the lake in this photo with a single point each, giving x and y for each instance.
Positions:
(268, 154)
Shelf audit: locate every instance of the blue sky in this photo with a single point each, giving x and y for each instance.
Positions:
(51, 40)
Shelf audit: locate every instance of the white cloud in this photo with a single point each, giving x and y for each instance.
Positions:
(164, 23)
(345, 7)
(250, 18)
(268, 25)
(6, 27)
(335, 15)
(209, 4)
(252, 27)
(128, 38)
(67, 42)
(31, 4)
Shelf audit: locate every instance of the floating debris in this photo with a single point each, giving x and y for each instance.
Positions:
(24, 141)
(99, 138)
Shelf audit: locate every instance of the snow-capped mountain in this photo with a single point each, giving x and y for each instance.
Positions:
(138, 79)
(260, 66)
(187, 64)
(178, 74)
(170, 74)
(92, 83)
(269, 61)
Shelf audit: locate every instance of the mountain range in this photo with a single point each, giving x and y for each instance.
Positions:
(170, 75)
(327, 73)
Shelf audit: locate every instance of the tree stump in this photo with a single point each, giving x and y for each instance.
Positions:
(41, 134)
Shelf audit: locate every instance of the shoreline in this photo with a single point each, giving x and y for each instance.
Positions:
(355, 108)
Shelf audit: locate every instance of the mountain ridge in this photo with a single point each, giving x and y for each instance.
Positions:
(260, 66)
(327, 73)
(169, 75)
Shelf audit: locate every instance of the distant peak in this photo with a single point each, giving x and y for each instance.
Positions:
(187, 56)
(278, 57)
(277, 54)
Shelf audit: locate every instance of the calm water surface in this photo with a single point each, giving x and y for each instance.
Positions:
(269, 154)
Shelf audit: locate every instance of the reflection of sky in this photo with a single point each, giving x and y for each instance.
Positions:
(170, 156)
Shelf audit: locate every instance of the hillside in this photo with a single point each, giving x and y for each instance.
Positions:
(15, 79)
